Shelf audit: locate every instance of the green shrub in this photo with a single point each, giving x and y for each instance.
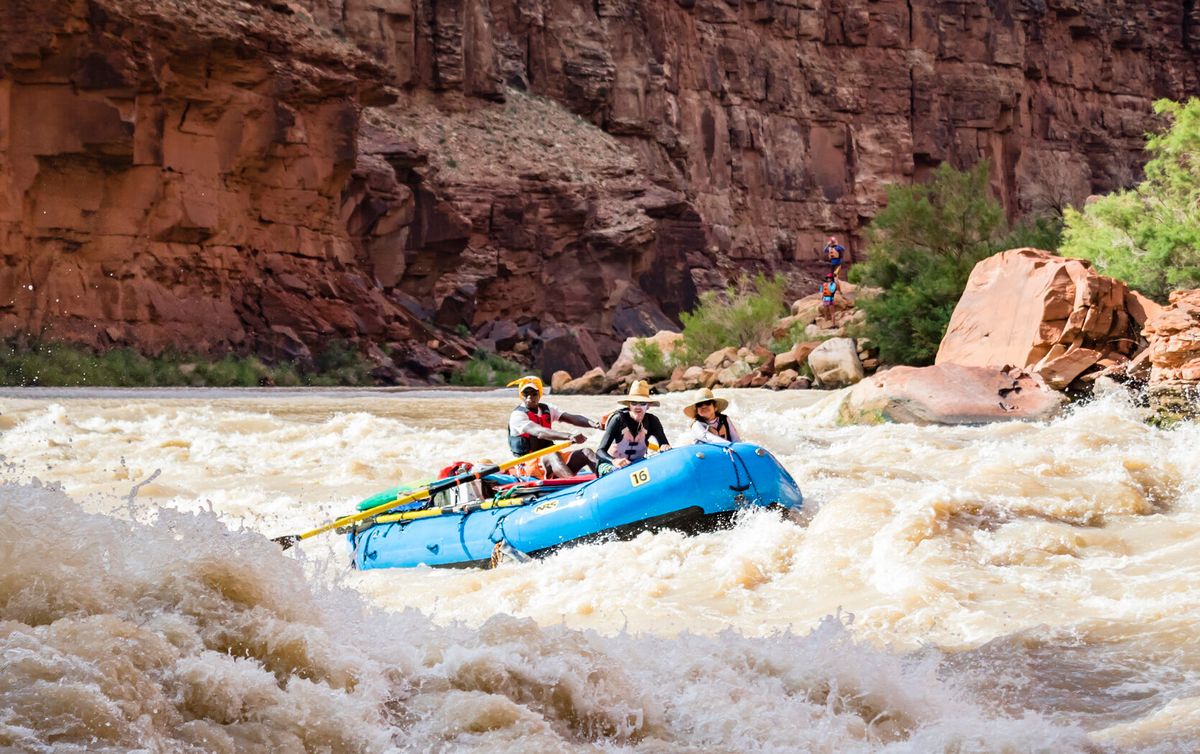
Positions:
(649, 356)
(1149, 236)
(487, 368)
(741, 315)
(922, 248)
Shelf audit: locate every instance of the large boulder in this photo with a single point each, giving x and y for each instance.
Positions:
(592, 383)
(835, 363)
(1056, 317)
(949, 394)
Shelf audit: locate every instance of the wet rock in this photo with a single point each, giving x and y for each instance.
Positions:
(949, 394)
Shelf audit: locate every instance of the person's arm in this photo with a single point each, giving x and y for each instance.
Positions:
(701, 434)
(654, 429)
(607, 439)
(520, 424)
(579, 420)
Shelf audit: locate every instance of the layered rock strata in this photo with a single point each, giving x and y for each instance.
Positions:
(756, 128)
(172, 177)
(178, 174)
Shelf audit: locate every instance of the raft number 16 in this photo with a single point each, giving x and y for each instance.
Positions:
(639, 477)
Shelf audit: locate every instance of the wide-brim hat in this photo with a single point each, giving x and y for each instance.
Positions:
(705, 395)
(639, 392)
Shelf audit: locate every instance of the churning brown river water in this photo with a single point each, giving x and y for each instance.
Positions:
(1009, 588)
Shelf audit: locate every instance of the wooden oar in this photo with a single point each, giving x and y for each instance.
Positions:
(429, 490)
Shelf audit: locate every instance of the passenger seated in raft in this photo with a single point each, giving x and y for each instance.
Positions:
(709, 423)
(529, 430)
(629, 429)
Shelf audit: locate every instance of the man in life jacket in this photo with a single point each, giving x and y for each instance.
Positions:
(830, 289)
(529, 429)
(834, 253)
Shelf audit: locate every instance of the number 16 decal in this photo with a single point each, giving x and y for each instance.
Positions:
(640, 477)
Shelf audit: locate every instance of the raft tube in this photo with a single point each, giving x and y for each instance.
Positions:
(692, 488)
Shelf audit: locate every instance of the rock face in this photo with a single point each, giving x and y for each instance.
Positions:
(744, 133)
(179, 174)
(172, 176)
(949, 394)
(1056, 317)
(1174, 335)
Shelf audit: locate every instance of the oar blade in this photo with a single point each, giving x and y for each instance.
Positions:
(287, 540)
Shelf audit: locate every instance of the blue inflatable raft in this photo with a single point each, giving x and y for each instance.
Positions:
(692, 488)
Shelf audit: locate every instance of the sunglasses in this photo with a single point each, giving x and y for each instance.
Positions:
(702, 404)
(638, 404)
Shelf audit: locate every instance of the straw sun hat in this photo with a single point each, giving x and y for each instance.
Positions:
(639, 392)
(705, 395)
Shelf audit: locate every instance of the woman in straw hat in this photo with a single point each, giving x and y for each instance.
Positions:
(629, 430)
(709, 423)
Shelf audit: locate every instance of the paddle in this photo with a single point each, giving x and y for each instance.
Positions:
(428, 490)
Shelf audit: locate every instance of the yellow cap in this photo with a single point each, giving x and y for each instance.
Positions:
(529, 381)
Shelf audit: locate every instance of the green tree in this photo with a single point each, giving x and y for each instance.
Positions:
(1149, 236)
(922, 248)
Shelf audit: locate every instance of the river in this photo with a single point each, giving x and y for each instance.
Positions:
(1009, 588)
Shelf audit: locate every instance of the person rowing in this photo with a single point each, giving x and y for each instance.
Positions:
(530, 429)
(629, 430)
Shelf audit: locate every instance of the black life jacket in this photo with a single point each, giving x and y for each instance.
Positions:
(722, 429)
(525, 443)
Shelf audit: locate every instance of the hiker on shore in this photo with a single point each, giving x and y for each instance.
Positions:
(834, 253)
(629, 430)
(829, 290)
(529, 429)
(709, 424)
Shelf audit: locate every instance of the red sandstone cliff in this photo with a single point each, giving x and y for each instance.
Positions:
(177, 176)
(747, 131)
(172, 176)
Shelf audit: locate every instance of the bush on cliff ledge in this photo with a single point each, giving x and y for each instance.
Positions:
(922, 248)
(741, 315)
(1149, 236)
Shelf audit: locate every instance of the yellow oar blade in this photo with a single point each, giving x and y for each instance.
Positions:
(288, 540)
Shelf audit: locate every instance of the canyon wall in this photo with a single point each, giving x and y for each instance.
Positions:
(172, 177)
(543, 176)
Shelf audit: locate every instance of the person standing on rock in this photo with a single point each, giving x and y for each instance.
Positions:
(629, 430)
(829, 290)
(529, 429)
(834, 253)
(710, 425)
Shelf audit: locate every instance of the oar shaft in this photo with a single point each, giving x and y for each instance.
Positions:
(428, 491)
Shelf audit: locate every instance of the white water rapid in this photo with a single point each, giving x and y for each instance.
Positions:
(1008, 588)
